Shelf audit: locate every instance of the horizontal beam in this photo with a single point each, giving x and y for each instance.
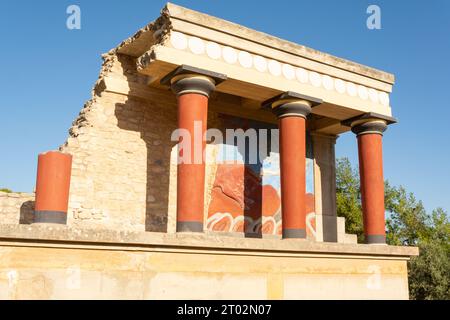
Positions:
(255, 85)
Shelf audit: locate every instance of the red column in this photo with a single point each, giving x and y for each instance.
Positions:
(293, 179)
(192, 108)
(52, 187)
(192, 87)
(292, 109)
(371, 179)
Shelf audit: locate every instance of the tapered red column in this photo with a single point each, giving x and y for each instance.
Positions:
(292, 165)
(292, 110)
(52, 187)
(192, 87)
(369, 135)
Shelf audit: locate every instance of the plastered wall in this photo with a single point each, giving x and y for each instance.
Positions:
(70, 272)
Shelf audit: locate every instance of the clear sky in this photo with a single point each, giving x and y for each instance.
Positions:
(47, 72)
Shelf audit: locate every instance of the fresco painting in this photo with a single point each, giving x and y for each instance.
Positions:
(245, 196)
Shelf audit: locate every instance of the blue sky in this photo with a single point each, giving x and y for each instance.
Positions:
(47, 72)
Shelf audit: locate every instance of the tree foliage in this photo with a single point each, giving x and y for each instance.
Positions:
(348, 197)
(407, 223)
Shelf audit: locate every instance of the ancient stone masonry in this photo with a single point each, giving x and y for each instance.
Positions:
(121, 155)
(119, 141)
(122, 148)
(16, 208)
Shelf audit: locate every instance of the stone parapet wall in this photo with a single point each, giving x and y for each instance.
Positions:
(59, 262)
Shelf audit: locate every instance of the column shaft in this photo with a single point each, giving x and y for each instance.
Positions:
(192, 111)
(52, 187)
(293, 180)
(369, 128)
(292, 109)
(192, 87)
(372, 186)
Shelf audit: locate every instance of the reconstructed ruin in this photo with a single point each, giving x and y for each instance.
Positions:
(117, 215)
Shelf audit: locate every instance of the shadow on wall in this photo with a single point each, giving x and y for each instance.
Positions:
(155, 120)
(27, 212)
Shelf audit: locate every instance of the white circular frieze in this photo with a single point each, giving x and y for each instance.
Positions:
(196, 45)
(274, 68)
(373, 95)
(315, 79)
(327, 82)
(384, 98)
(245, 59)
(302, 75)
(260, 63)
(213, 50)
(229, 55)
(288, 71)
(339, 85)
(351, 89)
(362, 92)
(178, 40)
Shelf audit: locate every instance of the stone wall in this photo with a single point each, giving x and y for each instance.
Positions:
(121, 146)
(16, 208)
(120, 157)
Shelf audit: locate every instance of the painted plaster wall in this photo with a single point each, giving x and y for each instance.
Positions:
(246, 193)
(70, 272)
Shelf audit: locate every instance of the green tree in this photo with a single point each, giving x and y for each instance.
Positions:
(407, 223)
(429, 273)
(348, 197)
(407, 219)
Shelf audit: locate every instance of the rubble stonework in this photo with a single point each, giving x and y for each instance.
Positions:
(121, 150)
(16, 207)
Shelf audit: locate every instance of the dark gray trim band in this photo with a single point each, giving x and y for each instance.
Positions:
(292, 109)
(294, 233)
(369, 115)
(48, 216)
(189, 226)
(193, 85)
(370, 127)
(185, 69)
(289, 95)
(375, 238)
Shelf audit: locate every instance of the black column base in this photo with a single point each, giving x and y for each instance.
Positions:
(189, 226)
(49, 216)
(375, 239)
(294, 233)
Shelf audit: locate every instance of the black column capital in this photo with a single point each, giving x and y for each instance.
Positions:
(186, 79)
(369, 126)
(291, 104)
(369, 122)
